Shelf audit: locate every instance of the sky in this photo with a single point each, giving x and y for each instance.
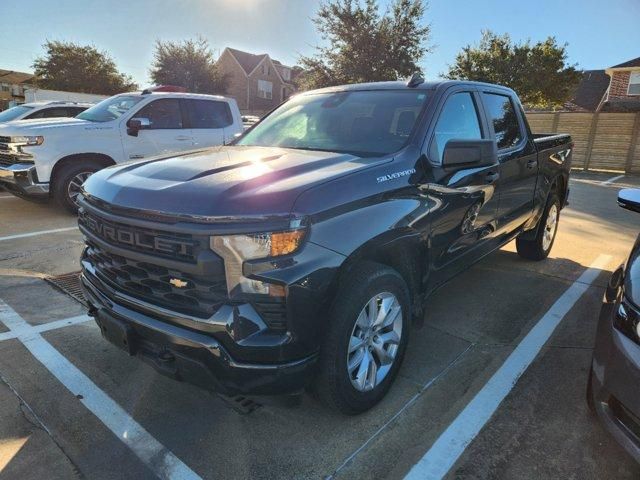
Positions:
(600, 33)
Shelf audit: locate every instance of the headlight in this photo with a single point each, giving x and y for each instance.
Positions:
(32, 141)
(236, 249)
(626, 319)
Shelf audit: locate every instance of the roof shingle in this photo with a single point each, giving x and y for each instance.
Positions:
(589, 92)
(630, 63)
(248, 61)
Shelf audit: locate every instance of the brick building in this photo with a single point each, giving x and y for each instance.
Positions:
(257, 82)
(623, 94)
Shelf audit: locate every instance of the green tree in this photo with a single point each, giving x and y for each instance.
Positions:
(71, 67)
(538, 72)
(365, 45)
(188, 64)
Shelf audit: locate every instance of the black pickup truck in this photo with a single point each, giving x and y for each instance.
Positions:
(302, 255)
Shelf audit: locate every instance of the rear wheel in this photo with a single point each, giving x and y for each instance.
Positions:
(68, 183)
(539, 247)
(366, 339)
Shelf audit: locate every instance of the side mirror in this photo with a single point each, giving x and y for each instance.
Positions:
(629, 198)
(469, 152)
(136, 124)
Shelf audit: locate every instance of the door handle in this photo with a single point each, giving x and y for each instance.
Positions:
(532, 163)
(492, 177)
(183, 138)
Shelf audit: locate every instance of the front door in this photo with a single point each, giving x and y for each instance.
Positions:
(164, 130)
(465, 200)
(208, 119)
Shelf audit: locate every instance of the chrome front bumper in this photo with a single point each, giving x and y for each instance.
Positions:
(21, 178)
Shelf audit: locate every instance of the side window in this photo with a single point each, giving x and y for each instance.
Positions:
(162, 114)
(73, 111)
(505, 120)
(38, 114)
(209, 114)
(54, 112)
(458, 120)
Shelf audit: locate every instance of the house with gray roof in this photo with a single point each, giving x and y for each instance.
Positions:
(257, 82)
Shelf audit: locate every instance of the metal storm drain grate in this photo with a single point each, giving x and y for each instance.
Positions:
(68, 283)
(241, 404)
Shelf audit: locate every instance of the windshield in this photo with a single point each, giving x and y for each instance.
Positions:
(13, 113)
(365, 123)
(110, 109)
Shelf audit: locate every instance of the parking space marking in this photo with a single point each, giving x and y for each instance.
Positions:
(612, 180)
(410, 402)
(446, 450)
(151, 452)
(34, 234)
(45, 327)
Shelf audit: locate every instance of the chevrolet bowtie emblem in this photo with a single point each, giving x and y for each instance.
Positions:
(176, 282)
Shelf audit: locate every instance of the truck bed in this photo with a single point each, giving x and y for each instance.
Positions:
(544, 141)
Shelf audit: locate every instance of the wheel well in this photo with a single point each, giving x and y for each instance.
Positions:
(559, 185)
(98, 158)
(404, 255)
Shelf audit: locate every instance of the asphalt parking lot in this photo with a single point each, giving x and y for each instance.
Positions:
(73, 406)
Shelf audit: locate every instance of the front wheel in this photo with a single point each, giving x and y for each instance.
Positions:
(68, 183)
(368, 330)
(539, 247)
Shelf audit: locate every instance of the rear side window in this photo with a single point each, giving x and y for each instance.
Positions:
(73, 111)
(505, 121)
(162, 114)
(209, 114)
(458, 120)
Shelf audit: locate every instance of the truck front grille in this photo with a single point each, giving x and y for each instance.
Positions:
(6, 159)
(156, 242)
(156, 284)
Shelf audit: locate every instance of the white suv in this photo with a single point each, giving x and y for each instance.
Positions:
(43, 158)
(53, 109)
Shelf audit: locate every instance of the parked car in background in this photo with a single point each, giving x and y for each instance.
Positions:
(40, 110)
(301, 254)
(613, 390)
(53, 157)
(249, 121)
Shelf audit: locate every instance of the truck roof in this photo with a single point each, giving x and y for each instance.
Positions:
(57, 102)
(402, 84)
(178, 95)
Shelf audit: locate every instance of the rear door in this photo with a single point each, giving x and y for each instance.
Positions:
(165, 130)
(463, 219)
(208, 119)
(518, 159)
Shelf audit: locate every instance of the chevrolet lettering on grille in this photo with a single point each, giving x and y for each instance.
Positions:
(142, 240)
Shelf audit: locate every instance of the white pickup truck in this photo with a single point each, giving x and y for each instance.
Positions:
(40, 159)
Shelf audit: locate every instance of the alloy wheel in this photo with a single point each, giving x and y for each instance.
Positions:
(75, 186)
(374, 341)
(550, 227)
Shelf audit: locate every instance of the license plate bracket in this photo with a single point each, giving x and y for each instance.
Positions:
(117, 332)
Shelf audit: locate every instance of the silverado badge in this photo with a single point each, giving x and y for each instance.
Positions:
(176, 282)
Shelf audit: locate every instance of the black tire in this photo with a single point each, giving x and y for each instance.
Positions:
(64, 176)
(536, 248)
(333, 384)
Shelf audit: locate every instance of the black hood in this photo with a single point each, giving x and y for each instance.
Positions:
(225, 181)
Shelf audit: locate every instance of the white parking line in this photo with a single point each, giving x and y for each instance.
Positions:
(34, 234)
(612, 180)
(446, 450)
(151, 452)
(45, 327)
